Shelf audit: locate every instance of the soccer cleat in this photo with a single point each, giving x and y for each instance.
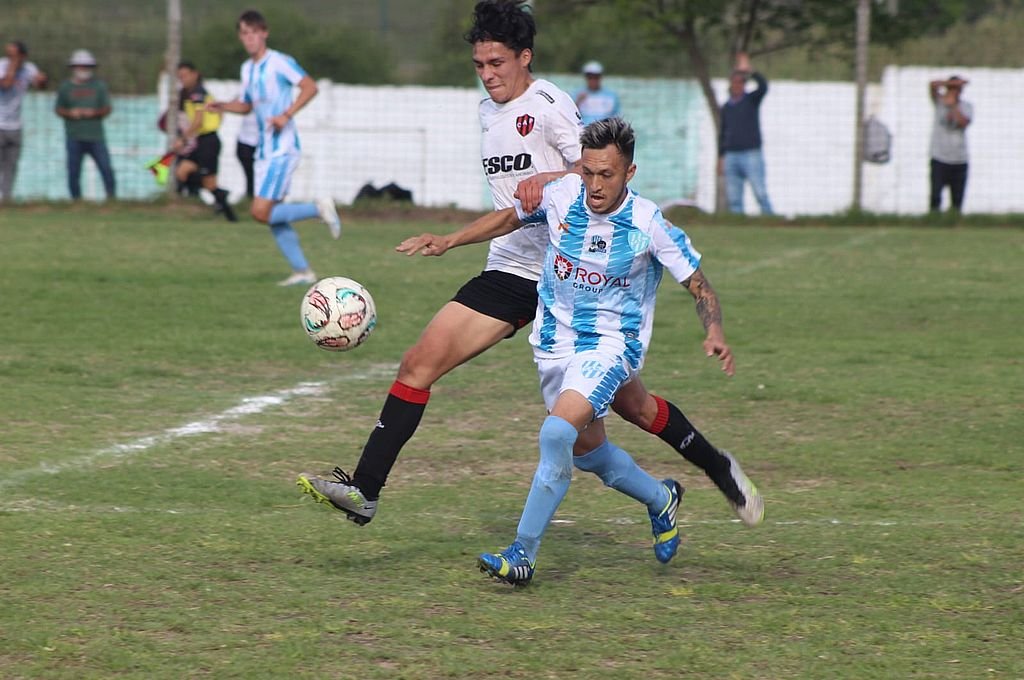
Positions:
(342, 494)
(663, 525)
(307, 277)
(510, 566)
(751, 511)
(329, 214)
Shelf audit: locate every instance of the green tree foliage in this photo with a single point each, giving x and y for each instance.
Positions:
(711, 32)
(324, 49)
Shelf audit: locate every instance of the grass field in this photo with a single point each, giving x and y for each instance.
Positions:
(158, 397)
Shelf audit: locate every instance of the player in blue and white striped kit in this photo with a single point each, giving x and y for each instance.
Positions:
(608, 248)
(268, 78)
(530, 136)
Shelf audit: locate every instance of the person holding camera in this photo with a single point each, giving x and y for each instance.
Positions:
(949, 141)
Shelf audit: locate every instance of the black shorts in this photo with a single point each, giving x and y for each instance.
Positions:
(206, 153)
(501, 295)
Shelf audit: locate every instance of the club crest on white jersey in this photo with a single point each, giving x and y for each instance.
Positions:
(536, 132)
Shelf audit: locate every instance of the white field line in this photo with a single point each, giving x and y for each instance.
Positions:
(210, 424)
(795, 253)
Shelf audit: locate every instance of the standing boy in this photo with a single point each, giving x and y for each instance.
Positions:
(268, 78)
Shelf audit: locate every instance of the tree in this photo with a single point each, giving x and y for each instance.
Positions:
(325, 50)
(706, 28)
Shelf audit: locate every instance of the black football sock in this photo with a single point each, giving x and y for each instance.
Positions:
(672, 427)
(221, 197)
(398, 420)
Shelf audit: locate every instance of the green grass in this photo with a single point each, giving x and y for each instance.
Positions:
(877, 403)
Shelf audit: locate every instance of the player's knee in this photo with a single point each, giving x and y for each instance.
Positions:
(639, 412)
(556, 439)
(259, 213)
(417, 370)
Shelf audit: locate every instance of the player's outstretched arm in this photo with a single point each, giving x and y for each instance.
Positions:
(491, 225)
(710, 313)
(236, 106)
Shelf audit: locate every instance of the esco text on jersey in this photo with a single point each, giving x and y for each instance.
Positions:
(508, 163)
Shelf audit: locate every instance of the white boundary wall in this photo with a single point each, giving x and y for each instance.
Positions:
(427, 139)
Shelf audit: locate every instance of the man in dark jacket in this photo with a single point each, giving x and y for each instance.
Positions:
(739, 140)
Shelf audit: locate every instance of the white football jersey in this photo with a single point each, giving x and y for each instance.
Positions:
(267, 84)
(601, 272)
(538, 131)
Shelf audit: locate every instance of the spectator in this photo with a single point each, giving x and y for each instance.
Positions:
(17, 74)
(198, 144)
(594, 101)
(739, 139)
(83, 101)
(949, 141)
(245, 149)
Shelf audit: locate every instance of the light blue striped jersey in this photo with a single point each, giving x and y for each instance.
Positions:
(601, 272)
(267, 84)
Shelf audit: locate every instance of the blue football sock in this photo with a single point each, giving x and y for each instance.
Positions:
(288, 241)
(292, 212)
(617, 469)
(550, 482)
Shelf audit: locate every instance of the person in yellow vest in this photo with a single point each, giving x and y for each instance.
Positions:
(198, 145)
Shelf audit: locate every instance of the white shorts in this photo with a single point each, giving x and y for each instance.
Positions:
(595, 374)
(272, 176)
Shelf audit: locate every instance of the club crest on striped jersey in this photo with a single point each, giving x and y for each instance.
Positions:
(563, 268)
(639, 241)
(524, 124)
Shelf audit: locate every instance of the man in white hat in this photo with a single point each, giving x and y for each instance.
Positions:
(594, 101)
(83, 101)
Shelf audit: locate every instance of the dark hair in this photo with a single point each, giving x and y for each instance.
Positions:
(508, 22)
(610, 132)
(251, 17)
(21, 47)
(187, 64)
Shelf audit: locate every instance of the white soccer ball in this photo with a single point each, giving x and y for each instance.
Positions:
(338, 313)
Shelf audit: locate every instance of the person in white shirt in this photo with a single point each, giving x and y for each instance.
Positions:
(17, 75)
(530, 136)
(595, 101)
(606, 253)
(268, 80)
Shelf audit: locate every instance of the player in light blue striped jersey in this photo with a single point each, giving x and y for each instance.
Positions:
(608, 248)
(268, 79)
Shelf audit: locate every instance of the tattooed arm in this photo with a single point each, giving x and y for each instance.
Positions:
(710, 314)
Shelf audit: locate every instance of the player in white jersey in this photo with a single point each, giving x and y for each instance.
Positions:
(530, 136)
(268, 80)
(607, 249)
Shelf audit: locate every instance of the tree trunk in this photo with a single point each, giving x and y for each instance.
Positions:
(703, 73)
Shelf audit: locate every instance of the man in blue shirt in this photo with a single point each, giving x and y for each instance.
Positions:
(739, 138)
(594, 101)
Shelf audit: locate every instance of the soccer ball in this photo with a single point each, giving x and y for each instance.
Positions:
(338, 314)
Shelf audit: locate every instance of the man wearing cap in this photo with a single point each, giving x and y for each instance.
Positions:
(83, 101)
(949, 141)
(17, 74)
(596, 102)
